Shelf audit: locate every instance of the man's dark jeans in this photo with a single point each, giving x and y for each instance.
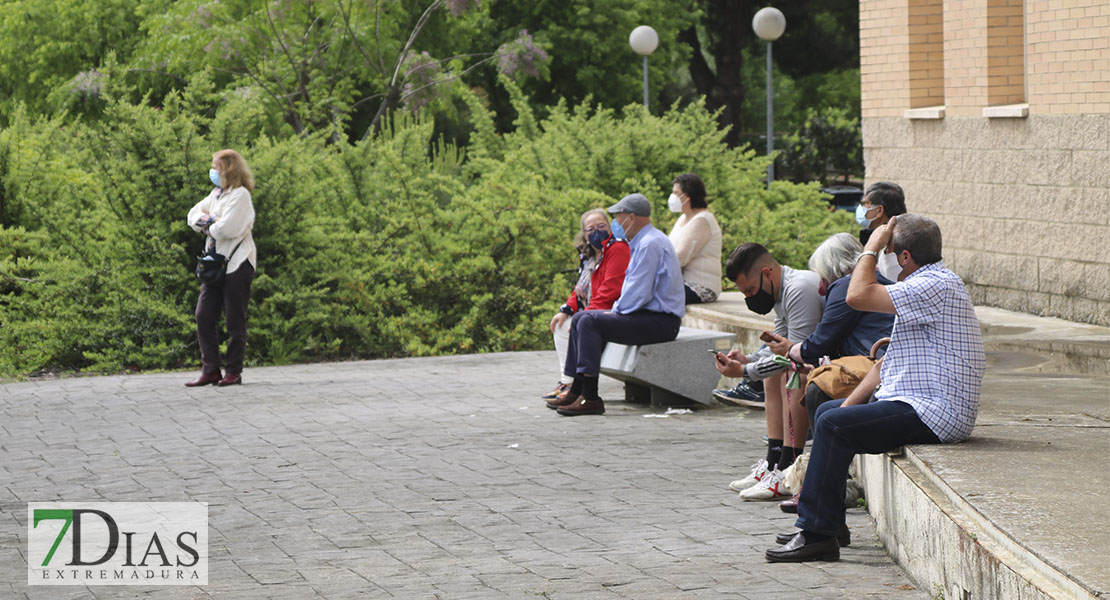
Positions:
(840, 434)
(590, 330)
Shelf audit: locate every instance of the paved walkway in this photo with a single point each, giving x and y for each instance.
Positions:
(418, 478)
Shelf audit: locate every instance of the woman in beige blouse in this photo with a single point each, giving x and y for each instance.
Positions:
(696, 238)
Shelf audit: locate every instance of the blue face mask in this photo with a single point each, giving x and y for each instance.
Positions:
(861, 215)
(597, 238)
(214, 177)
(618, 231)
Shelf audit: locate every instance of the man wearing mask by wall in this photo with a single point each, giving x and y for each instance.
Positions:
(881, 201)
(649, 310)
(792, 294)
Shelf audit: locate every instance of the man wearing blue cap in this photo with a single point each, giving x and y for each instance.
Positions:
(649, 310)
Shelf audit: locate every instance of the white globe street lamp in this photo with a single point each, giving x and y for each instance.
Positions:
(769, 23)
(644, 41)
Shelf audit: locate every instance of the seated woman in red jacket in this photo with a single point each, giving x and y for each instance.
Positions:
(603, 259)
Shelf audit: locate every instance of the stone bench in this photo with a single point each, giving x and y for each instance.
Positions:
(675, 373)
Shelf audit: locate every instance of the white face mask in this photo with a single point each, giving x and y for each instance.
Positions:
(674, 203)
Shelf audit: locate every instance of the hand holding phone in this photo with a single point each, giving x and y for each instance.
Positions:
(768, 337)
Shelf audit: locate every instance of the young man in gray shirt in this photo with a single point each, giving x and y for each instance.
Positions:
(793, 295)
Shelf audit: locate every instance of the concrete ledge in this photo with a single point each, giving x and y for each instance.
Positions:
(928, 112)
(947, 545)
(1007, 111)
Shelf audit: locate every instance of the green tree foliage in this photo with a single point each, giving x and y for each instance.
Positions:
(50, 48)
(342, 66)
(590, 55)
(396, 245)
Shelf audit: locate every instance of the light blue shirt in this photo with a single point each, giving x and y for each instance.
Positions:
(653, 280)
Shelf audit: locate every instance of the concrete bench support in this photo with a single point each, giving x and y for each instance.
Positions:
(675, 373)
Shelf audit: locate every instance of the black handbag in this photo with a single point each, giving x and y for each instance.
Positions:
(212, 267)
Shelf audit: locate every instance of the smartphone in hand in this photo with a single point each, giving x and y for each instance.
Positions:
(768, 337)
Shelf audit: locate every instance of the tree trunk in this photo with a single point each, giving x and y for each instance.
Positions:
(728, 24)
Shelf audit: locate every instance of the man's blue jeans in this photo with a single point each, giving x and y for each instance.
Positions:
(840, 434)
(590, 330)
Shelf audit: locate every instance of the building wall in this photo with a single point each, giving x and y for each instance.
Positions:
(1023, 203)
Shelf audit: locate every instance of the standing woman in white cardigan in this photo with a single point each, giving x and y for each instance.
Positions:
(696, 238)
(226, 217)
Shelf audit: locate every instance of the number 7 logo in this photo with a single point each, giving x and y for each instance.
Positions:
(43, 514)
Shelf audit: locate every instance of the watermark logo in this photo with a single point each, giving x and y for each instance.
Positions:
(117, 543)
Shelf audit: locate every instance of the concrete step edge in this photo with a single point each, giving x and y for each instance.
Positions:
(959, 546)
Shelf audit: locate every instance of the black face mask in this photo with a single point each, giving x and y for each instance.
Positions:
(761, 302)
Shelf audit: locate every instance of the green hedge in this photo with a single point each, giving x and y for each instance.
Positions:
(399, 245)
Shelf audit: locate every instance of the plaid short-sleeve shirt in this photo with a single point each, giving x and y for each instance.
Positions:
(935, 362)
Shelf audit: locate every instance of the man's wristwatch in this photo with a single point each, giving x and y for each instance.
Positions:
(866, 253)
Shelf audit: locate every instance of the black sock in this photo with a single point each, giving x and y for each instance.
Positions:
(814, 537)
(576, 386)
(789, 455)
(589, 388)
(774, 452)
(755, 385)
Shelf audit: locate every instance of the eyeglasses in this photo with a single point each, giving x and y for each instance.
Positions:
(868, 205)
(602, 227)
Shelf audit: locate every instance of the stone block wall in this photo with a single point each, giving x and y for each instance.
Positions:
(1023, 203)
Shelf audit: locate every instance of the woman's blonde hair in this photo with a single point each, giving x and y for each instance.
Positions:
(234, 171)
(580, 241)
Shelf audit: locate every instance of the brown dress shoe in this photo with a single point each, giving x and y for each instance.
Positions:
(231, 379)
(790, 506)
(583, 406)
(205, 379)
(566, 399)
(799, 550)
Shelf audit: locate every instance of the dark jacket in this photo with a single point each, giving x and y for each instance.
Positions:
(843, 330)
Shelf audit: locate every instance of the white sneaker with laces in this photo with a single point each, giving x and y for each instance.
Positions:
(771, 487)
(759, 470)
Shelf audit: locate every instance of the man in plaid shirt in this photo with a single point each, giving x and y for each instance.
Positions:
(930, 379)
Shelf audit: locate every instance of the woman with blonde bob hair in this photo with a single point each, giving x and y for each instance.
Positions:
(602, 260)
(225, 217)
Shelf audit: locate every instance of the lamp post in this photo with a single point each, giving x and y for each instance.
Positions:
(644, 41)
(769, 23)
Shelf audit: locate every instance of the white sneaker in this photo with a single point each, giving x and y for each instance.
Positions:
(771, 487)
(759, 470)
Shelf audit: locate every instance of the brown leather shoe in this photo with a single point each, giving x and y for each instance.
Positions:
(231, 379)
(799, 550)
(843, 537)
(583, 406)
(565, 399)
(205, 379)
(790, 506)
